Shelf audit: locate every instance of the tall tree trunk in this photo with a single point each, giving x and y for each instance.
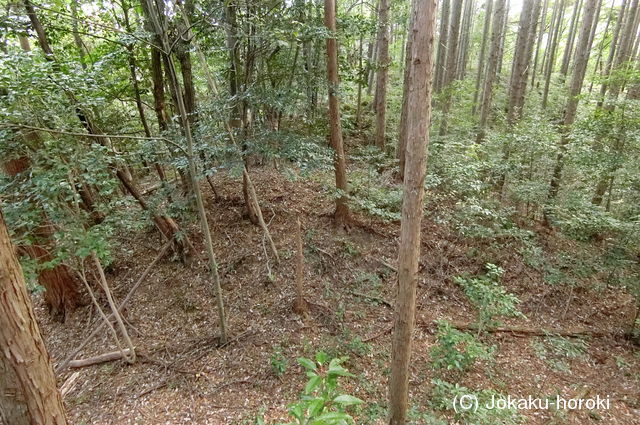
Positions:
(28, 392)
(158, 90)
(184, 119)
(443, 42)
(341, 215)
(481, 57)
(612, 49)
(137, 97)
(418, 119)
(579, 71)
(624, 50)
(402, 131)
(373, 56)
(495, 51)
(599, 67)
(519, 74)
(382, 75)
(552, 45)
(522, 59)
(541, 32)
(233, 46)
(452, 57)
(131, 57)
(465, 39)
(502, 42)
(568, 50)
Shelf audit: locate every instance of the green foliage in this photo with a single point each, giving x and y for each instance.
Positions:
(322, 402)
(491, 299)
(381, 199)
(279, 362)
(557, 350)
(457, 350)
(584, 221)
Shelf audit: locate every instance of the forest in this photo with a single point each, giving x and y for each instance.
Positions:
(320, 212)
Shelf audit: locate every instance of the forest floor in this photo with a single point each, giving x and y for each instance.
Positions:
(183, 377)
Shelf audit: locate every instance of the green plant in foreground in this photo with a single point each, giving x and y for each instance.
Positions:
(322, 402)
(457, 350)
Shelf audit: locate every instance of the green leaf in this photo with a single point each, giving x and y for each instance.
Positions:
(307, 364)
(316, 406)
(331, 418)
(347, 400)
(321, 357)
(312, 384)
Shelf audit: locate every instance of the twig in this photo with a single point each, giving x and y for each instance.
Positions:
(237, 381)
(235, 338)
(389, 266)
(379, 334)
(372, 297)
(154, 387)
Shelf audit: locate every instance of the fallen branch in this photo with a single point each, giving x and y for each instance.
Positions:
(388, 265)
(379, 334)
(521, 331)
(102, 358)
(372, 298)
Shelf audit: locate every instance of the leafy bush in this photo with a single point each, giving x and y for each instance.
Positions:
(457, 350)
(379, 199)
(555, 350)
(491, 299)
(585, 221)
(279, 362)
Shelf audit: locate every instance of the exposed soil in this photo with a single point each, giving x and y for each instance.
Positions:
(183, 377)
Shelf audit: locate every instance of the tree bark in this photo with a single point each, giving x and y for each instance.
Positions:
(541, 32)
(550, 51)
(28, 392)
(402, 131)
(418, 120)
(566, 56)
(522, 59)
(443, 41)
(341, 215)
(465, 38)
(382, 74)
(580, 69)
(495, 51)
(452, 59)
(481, 57)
